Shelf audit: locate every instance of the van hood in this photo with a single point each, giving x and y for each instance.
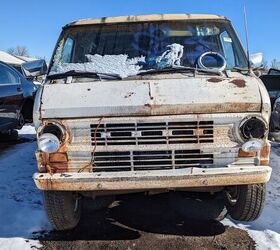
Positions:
(151, 97)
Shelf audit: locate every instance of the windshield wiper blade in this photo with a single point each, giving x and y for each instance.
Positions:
(178, 69)
(238, 69)
(84, 74)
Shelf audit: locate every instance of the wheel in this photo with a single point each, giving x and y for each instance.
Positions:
(21, 121)
(198, 206)
(245, 203)
(63, 209)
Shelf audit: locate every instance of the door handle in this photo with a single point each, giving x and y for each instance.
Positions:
(19, 89)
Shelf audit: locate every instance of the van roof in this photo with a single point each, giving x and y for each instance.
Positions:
(142, 18)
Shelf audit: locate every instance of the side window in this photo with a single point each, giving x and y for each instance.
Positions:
(228, 49)
(67, 50)
(8, 76)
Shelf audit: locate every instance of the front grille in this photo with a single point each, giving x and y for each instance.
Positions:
(150, 160)
(143, 133)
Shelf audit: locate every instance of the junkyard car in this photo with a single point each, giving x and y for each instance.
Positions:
(272, 84)
(16, 100)
(151, 103)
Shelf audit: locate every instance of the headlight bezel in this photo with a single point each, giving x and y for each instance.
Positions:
(52, 128)
(241, 128)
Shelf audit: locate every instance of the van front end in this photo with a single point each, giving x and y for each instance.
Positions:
(151, 103)
(146, 153)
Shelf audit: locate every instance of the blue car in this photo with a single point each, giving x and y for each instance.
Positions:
(16, 99)
(272, 84)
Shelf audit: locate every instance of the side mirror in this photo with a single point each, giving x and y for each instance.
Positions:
(34, 68)
(274, 72)
(256, 60)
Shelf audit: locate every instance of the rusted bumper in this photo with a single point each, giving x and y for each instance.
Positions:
(147, 180)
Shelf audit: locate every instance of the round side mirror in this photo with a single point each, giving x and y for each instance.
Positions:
(212, 61)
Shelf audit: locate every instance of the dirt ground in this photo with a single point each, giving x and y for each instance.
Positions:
(145, 222)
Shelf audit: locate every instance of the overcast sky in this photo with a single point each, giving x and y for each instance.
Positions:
(37, 24)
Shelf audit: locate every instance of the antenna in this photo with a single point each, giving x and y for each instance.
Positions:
(247, 37)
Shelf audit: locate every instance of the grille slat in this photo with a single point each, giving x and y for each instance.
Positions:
(150, 160)
(143, 133)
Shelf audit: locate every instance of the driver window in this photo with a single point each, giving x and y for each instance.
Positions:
(228, 49)
(7, 76)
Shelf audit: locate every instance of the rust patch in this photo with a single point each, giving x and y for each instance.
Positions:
(54, 162)
(265, 152)
(58, 157)
(214, 80)
(42, 162)
(59, 167)
(242, 153)
(240, 83)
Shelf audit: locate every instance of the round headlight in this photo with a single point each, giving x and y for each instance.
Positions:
(48, 143)
(253, 128)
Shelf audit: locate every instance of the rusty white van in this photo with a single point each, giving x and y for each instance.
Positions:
(151, 103)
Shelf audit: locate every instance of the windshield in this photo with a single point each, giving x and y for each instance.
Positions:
(129, 48)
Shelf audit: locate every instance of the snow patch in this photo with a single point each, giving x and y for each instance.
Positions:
(19, 243)
(21, 209)
(27, 131)
(108, 64)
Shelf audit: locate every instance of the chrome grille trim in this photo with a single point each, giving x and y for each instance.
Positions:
(224, 148)
(151, 133)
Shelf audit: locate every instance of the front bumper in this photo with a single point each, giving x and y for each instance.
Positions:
(156, 179)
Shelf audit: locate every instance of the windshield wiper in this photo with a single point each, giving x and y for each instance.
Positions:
(84, 74)
(178, 69)
(238, 69)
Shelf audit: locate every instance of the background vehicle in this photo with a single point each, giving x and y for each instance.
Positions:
(16, 100)
(272, 84)
(151, 103)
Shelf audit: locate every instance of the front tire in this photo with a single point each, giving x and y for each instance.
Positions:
(63, 209)
(245, 203)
